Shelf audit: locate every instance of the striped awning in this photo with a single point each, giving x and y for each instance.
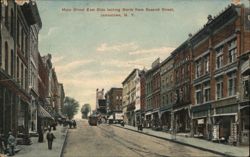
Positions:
(42, 113)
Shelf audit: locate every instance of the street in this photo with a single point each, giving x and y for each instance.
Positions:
(108, 140)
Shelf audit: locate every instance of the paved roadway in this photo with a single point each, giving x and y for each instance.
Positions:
(107, 140)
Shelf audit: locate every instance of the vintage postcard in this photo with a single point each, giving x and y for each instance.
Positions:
(83, 78)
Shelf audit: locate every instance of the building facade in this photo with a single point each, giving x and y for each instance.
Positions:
(219, 106)
(167, 92)
(114, 100)
(129, 93)
(17, 22)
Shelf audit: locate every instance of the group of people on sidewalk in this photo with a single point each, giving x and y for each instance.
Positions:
(7, 145)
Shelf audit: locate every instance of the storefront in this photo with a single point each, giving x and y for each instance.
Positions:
(148, 120)
(156, 120)
(244, 123)
(225, 121)
(182, 120)
(166, 119)
(201, 121)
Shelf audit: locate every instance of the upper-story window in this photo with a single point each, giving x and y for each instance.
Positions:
(7, 16)
(231, 84)
(232, 51)
(12, 23)
(18, 33)
(198, 69)
(6, 57)
(198, 95)
(206, 92)
(246, 89)
(219, 88)
(206, 64)
(219, 57)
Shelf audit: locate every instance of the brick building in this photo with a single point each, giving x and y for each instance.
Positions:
(216, 75)
(114, 100)
(143, 95)
(182, 86)
(156, 100)
(167, 92)
(17, 22)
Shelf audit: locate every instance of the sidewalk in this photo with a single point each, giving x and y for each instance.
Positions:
(41, 149)
(217, 148)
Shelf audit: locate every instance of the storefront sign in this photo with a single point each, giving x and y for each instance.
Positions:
(216, 132)
(200, 121)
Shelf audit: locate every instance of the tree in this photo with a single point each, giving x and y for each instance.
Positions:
(86, 108)
(70, 107)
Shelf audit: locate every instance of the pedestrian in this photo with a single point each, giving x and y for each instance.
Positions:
(11, 143)
(50, 138)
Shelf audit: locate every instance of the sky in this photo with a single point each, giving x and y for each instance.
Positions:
(91, 51)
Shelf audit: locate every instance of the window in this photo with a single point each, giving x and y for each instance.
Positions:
(22, 41)
(219, 61)
(219, 89)
(232, 55)
(232, 44)
(7, 16)
(219, 57)
(18, 34)
(12, 63)
(206, 64)
(26, 46)
(206, 93)
(17, 67)
(6, 57)
(198, 95)
(22, 75)
(231, 85)
(198, 69)
(12, 23)
(246, 89)
(25, 80)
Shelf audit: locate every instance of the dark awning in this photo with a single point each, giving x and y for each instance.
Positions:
(42, 113)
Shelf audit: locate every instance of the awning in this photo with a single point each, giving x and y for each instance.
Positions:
(148, 113)
(42, 113)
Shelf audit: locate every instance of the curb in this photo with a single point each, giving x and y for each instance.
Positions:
(171, 140)
(64, 143)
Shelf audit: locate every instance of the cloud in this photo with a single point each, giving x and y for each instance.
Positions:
(104, 47)
(71, 66)
(47, 35)
(153, 51)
